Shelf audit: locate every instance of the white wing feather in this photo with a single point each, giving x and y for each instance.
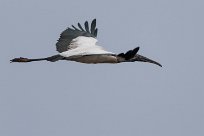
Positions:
(84, 46)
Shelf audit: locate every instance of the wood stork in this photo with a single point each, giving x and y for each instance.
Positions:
(79, 44)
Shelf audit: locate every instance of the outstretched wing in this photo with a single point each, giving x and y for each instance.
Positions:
(71, 33)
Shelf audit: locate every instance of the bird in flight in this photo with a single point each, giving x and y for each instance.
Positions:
(80, 44)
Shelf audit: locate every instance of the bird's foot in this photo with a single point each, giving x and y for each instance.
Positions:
(21, 59)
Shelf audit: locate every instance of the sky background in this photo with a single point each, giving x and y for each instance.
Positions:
(129, 99)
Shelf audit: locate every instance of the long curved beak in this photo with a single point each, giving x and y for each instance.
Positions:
(141, 58)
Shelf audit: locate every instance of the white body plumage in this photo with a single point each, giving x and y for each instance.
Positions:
(84, 49)
(84, 46)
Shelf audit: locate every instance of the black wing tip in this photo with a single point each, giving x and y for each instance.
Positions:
(93, 30)
(79, 25)
(136, 49)
(74, 28)
(93, 27)
(131, 53)
(94, 20)
(86, 25)
(96, 32)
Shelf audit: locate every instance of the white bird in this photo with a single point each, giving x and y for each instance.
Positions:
(80, 45)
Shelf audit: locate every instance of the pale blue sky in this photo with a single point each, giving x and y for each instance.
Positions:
(130, 99)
